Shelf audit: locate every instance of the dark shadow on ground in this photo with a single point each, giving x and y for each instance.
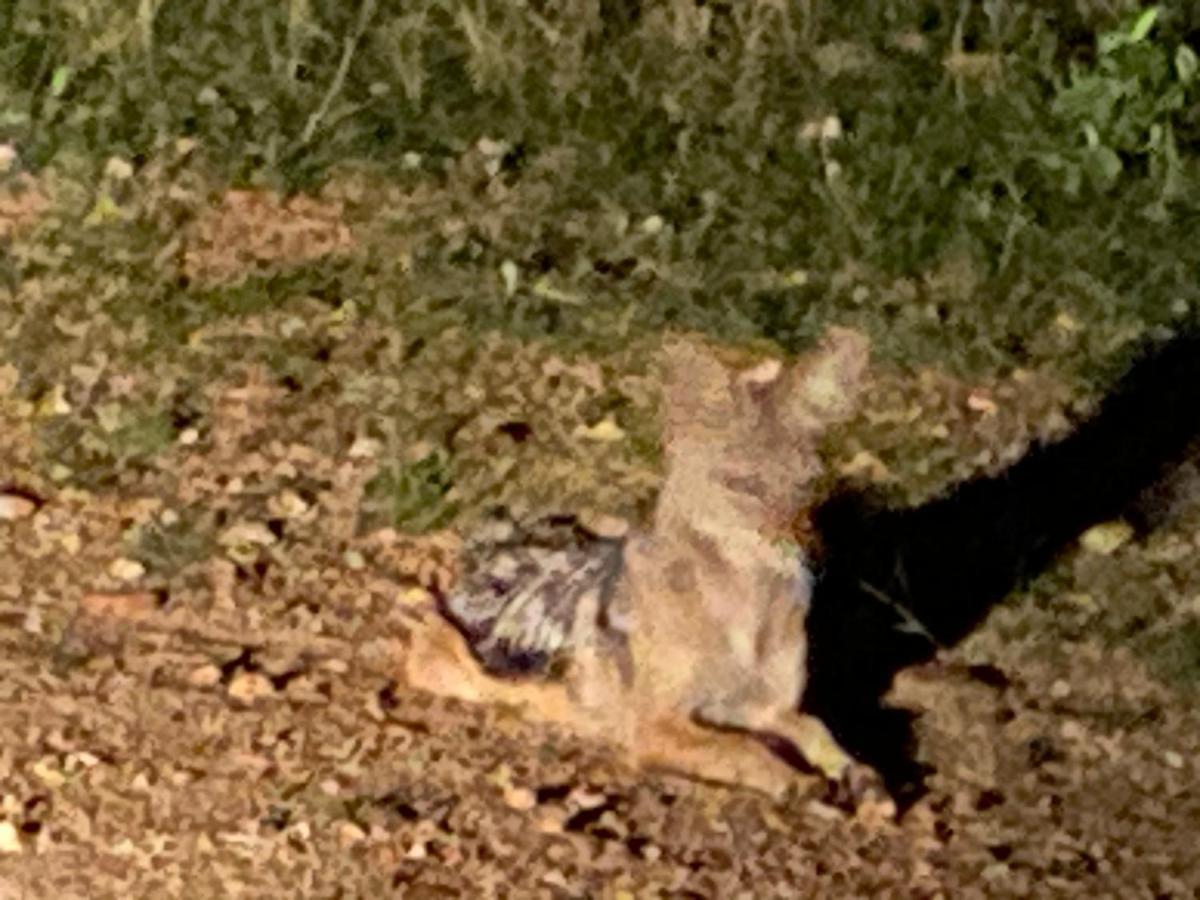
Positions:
(950, 561)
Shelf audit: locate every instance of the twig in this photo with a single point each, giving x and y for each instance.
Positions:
(911, 624)
(349, 45)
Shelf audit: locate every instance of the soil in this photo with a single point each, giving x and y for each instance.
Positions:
(198, 699)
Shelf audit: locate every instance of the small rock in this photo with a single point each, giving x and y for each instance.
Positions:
(14, 506)
(978, 401)
(490, 147)
(124, 569)
(520, 799)
(10, 841)
(1073, 731)
(247, 533)
(831, 128)
(1104, 539)
(1060, 690)
(653, 224)
(606, 526)
(290, 505)
(586, 799)
(48, 774)
(205, 676)
(118, 169)
(85, 759)
(330, 787)
(510, 275)
(350, 834)
(1173, 759)
(606, 431)
(247, 687)
(365, 448)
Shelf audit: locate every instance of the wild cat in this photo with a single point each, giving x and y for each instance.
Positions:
(684, 643)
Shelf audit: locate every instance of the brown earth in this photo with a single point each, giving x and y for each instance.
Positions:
(198, 694)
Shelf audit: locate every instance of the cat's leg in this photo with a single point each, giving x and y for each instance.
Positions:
(439, 660)
(675, 743)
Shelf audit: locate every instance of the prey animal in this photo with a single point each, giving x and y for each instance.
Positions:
(684, 643)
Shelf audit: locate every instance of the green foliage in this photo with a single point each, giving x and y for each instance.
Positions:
(412, 497)
(166, 547)
(96, 451)
(695, 114)
(1127, 105)
(1175, 654)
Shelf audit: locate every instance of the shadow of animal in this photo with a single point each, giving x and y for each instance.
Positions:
(950, 561)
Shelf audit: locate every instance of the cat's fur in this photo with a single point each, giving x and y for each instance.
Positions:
(693, 659)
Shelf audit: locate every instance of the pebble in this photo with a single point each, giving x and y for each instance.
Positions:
(249, 686)
(205, 676)
(10, 841)
(14, 506)
(520, 799)
(124, 569)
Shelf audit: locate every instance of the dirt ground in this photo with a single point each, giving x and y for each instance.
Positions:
(239, 733)
(198, 699)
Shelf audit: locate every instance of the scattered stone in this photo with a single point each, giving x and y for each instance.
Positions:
(604, 431)
(653, 224)
(1106, 538)
(10, 840)
(289, 505)
(246, 687)
(118, 169)
(365, 448)
(978, 401)
(350, 834)
(520, 799)
(605, 526)
(205, 676)
(14, 506)
(247, 534)
(124, 569)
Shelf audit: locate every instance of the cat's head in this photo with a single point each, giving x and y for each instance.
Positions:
(744, 431)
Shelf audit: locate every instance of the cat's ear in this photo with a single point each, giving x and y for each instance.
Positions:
(825, 386)
(694, 378)
(760, 378)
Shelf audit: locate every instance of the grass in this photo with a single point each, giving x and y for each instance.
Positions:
(964, 147)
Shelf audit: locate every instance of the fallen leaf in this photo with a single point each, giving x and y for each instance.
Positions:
(1105, 538)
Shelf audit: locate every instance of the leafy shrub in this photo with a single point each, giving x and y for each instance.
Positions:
(1126, 105)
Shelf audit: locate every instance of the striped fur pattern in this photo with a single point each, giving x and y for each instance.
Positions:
(524, 590)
